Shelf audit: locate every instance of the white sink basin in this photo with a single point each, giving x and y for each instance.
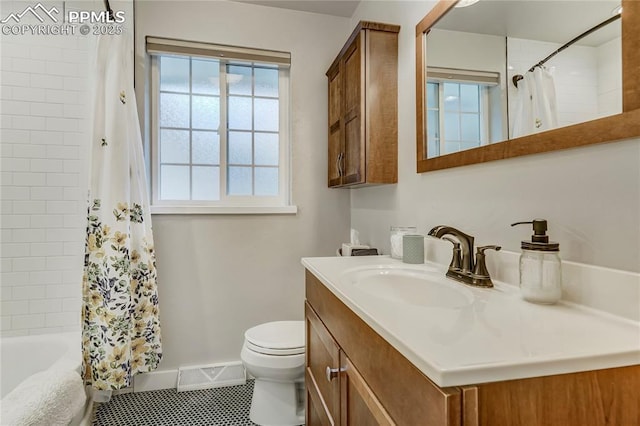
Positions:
(424, 286)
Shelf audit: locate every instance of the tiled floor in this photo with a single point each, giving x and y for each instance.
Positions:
(226, 406)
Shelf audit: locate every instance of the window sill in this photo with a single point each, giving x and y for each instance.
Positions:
(235, 210)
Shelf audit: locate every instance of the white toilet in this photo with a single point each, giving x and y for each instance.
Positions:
(273, 353)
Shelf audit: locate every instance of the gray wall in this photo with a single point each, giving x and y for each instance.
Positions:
(221, 274)
(591, 195)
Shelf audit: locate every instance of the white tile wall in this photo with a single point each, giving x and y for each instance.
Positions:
(588, 79)
(576, 74)
(43, 94)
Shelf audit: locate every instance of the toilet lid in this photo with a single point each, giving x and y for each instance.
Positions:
(277, 338)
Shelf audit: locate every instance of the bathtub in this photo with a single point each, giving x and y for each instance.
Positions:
(20, 357)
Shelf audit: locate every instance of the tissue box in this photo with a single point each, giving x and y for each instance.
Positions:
(348, 247)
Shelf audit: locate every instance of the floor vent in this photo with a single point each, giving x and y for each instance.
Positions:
(211, 376)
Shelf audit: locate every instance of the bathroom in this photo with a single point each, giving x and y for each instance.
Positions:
(220, 274)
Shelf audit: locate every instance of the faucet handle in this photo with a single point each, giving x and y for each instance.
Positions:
(481, 249)
(480, 271)
(456, 259)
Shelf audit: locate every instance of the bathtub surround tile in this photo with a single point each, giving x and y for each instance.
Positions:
(46, 330)
(12, 307)
(13, 193)
(29, 207)
(27, 264)
(30, 293)
(26, 235)
(61, 319)
(5, 323)
(45, 277)
(64, 291)
(46, 193)
(21, 322)
(45, 306)
(221, 406)
(10, 279)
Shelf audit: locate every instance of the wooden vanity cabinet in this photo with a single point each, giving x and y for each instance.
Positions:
(376, 385)
(363, 108)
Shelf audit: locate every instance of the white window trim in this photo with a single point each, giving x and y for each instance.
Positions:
(281, 204)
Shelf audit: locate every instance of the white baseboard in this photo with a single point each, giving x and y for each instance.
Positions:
(156, 380)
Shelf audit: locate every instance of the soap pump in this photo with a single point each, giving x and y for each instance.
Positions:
(540, 266)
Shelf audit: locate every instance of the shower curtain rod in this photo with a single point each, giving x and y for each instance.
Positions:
(107, 6)
(516, 78)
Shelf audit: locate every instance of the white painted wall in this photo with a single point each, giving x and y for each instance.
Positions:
(219, 275)
(590, 195)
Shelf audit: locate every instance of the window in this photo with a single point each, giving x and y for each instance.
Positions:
(219, 128)
(458, 110)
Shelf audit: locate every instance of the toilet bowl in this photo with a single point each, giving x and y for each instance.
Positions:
(273, 353)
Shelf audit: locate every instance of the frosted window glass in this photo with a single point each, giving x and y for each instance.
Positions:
(452, 127)
(266, 82)
(174, 74)
(433, 148)
(174, 146)
(205, 77)
(266, 114)
(469, 98)
(450, 147)
(205, 112)
(239, 80)
(266, 149)
(433, 124)
(432, 95)
(239, 148)
(239, 181)
(266, 181)
(470, 127)
(206, 183)
(174, 110)
(451, 97)
(205, 147)
(239, 113)
(174, 182)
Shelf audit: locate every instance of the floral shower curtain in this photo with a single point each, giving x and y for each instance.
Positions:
(121, 328)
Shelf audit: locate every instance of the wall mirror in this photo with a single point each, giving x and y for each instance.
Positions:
(471, 109)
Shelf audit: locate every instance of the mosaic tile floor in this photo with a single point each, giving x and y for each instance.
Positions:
(226, 406)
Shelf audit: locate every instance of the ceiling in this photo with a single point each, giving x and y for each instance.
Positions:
(552, 21)
(343, 8)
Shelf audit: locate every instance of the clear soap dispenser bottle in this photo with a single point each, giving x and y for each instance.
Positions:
(540, 266)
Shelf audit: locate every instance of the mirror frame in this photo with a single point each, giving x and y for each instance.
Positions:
(607, 129)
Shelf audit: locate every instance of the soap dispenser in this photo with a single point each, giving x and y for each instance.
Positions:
(540, 266)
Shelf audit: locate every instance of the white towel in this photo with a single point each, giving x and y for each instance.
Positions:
(48, 398)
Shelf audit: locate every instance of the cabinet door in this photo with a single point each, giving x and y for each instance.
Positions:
(353, 109)
(359, 405)
(322, 357)
(335, 130)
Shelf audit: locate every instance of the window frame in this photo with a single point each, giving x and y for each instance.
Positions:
(483, 79)
(227, 204)
(483, 116)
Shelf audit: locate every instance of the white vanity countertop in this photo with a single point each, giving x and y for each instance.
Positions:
(497, 336)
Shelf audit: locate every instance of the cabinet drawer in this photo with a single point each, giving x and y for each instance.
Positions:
(322, 353)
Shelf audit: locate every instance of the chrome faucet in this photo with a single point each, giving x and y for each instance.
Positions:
(463, 268)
